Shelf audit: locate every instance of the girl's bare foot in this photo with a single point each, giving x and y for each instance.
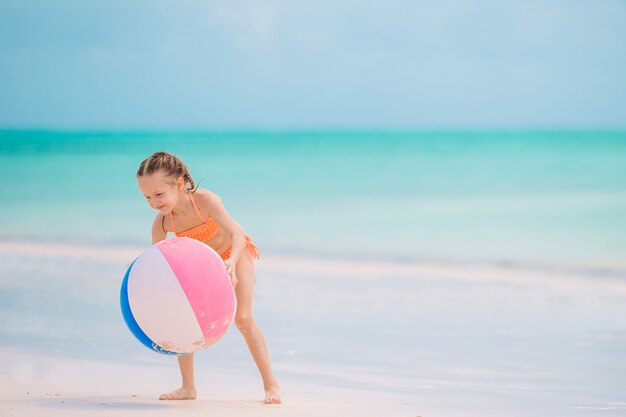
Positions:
(182, 393)
(272, 395)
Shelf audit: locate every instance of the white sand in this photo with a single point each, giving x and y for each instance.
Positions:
(33, 385)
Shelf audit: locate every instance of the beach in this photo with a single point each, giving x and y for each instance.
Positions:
(401, 274)
(346, 337)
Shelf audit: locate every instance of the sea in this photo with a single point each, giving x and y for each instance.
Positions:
(547, 198)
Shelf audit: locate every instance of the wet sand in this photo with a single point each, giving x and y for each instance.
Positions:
(347, 337)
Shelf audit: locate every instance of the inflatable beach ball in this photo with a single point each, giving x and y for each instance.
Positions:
(177, 298)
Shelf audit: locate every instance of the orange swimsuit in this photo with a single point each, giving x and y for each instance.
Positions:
(209, 228)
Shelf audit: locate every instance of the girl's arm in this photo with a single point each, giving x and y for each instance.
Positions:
(220, 215)
(158, 233)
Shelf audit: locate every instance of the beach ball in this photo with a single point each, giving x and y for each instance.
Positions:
(176, 297)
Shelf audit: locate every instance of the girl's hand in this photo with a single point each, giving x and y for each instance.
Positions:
(230, 268)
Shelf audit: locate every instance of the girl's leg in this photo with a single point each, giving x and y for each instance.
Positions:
(249, 329)
(188, 390)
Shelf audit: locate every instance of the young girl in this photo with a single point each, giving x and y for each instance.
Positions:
(193, 212)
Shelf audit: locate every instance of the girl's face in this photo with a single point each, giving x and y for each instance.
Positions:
(160, 190)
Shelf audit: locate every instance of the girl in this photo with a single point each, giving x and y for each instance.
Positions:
(187, 210)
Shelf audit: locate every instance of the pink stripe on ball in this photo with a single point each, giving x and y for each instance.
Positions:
(202, 275)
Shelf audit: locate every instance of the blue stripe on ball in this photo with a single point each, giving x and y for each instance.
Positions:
(132, 323)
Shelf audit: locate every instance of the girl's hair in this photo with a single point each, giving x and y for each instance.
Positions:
(172, 165)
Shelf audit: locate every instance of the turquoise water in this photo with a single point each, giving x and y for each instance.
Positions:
(554, 198)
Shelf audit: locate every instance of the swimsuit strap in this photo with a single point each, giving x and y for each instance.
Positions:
(172, 222)
(195, 207)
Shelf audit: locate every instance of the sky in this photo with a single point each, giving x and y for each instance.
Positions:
(312, 64)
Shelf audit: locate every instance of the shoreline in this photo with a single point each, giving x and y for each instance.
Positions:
(126, 253)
